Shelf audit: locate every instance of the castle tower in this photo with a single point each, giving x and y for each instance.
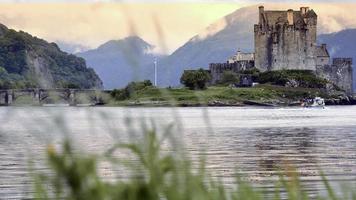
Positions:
(290, 17)
(285, 39)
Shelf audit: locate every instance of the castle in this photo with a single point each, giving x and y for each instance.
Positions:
(237, 63)
(288, 40)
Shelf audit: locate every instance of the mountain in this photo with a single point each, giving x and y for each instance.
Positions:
(216, 44)
(118, 62)
(341, 44)
(27, 61)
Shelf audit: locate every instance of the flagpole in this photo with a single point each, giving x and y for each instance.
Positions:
(155, 65)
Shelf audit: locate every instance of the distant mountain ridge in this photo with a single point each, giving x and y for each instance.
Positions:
(220, 41)
(120, 61)
(216, 44)
(27, 61)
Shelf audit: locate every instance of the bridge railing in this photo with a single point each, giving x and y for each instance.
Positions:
(39, 95)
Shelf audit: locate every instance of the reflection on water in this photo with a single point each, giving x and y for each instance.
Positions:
(278, 148)
(258, 142)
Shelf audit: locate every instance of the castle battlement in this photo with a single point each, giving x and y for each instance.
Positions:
(339, 73)
(241, 56)
(286, 39)
(274, 19)
(342, 61)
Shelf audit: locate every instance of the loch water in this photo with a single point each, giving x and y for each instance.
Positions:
(251, 141)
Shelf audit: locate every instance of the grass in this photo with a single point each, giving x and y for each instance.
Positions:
(182, 96)
(155, 175)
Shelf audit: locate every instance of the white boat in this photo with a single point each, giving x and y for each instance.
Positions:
(317, 102)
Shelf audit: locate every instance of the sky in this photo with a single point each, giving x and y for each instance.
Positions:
(91, 23)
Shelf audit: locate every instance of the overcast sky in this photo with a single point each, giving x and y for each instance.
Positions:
(180, 1)
(91, 24)
(194, 1)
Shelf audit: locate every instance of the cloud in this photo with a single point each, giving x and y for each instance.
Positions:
(213, 29)
(332, 17)
(91, 24)
(175, 1)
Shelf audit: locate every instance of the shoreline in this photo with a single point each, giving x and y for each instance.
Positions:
(246, 103)
(156, 104)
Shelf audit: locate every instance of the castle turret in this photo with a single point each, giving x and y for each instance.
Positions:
(304, 10)
(261, 14)
(322, 55)
(290, 17)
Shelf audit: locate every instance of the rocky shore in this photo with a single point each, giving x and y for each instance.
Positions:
(342, 100)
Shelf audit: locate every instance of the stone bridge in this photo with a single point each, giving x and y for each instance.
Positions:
(51, 96)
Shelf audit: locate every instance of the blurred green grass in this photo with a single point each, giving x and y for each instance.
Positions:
(156, 175)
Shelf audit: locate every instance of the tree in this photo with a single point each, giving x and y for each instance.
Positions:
(195, 79)
(147, 83)
(254, 72)
(229, 77)
(131, 89)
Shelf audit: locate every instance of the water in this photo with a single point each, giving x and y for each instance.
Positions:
(252, 140)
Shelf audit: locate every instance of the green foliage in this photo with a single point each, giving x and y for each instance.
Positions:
(153, 175)
(14, 81)
(303, 78)
(119, 94)
(290, 78)
(254, 72)
(12, 52)
(294, 78)
(17, 48)
(151, 96)
(229, 77)
(195, 79)
(131, 89)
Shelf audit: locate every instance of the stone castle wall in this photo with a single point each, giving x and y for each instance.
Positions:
(217, 69)
(287, 42)
(339, 73)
